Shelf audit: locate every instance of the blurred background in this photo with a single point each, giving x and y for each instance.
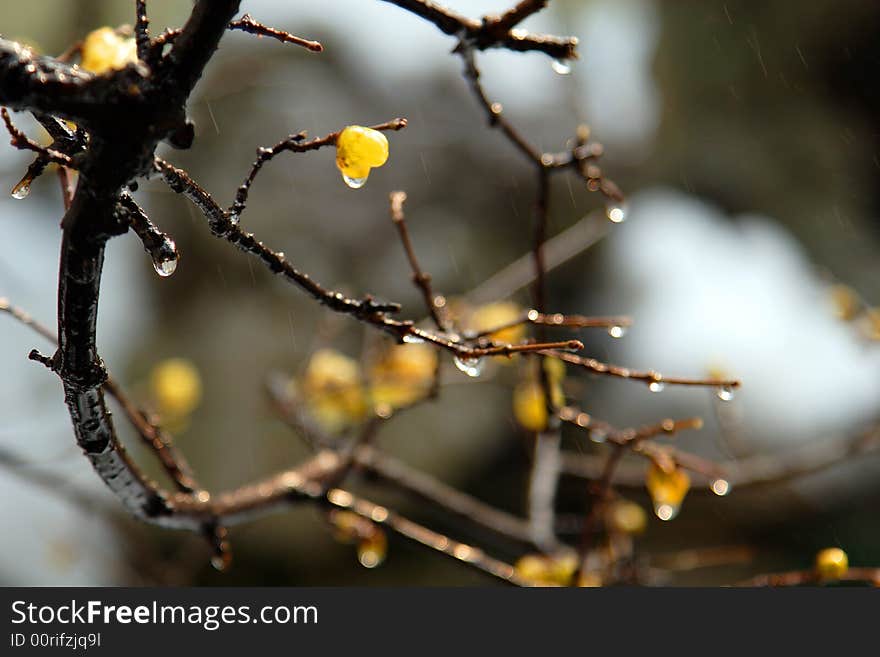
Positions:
(745, 136)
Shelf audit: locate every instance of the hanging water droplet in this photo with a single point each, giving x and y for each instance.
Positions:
(354, 183)
(165, 257)
(165, 267)
(656, 386)
(598, 435)
(616, 331)
(725, 393)
(721, 487)
(222, 561)
(560, 66)
(369, 556)
(616, 212)
(470, 366)
(666, 511)
(22, 189)
(409, 338)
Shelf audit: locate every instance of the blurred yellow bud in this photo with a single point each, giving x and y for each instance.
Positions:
(359, 149)
(530, 406)
(626, 517)
(333, 390)
(831, 563)
(347, 525)
(667, 490)
(563, 567)
(870, 323)
(589, 580)
(372, 550)
(555, 370)
(547, 570)
(403, 375)
(532, 568)
(176, 387)
(498, 314)
(104, 50)
(845, 302)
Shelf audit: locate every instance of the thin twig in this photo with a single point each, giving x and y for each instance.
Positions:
(249, 25)
(654, 379)
(421, 279)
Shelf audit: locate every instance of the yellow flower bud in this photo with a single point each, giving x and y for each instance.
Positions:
(176, 387)
(372, 550)
(667, 490)
(359, 149)
(547, 570)
(403, 375)
(530, 407)
(562, 567)
(532, 568)
(348, 526)
(626, 517)
(845, 302)
(333, 390)
(497, 314)
(831, 563)
(590, 580)
(103, 50)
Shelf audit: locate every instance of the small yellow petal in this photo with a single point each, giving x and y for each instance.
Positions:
(626, 517)
(529, 406)
(498, 314)
(103, 50)
(333, 390)
(667, 489)
(176, 387)
(403, 375)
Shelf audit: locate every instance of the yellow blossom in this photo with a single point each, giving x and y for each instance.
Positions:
(359, 149)
(547, 570)
(176, 387)
(667, 490)
(333, 390)
(104, 50)
(529, 402)
(626, 517)
(403, 375)
(490, 316)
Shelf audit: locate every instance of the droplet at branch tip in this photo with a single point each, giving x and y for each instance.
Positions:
(473, 367)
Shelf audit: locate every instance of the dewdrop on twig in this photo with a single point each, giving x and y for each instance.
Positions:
(473, 367)
(616, 212)
(560, 66)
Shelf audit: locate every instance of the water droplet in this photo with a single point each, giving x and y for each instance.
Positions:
(22, 189)
(598, 435)
(409, 338)
(725, 393)
(354, 183)
(222, 562)
(666, 511)
(470, 366)
(616, 331)
(165, 257)
(369, 557)
(721, 487)
(561, 66)
(656, 386)
(616, 212)
(165, 267)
